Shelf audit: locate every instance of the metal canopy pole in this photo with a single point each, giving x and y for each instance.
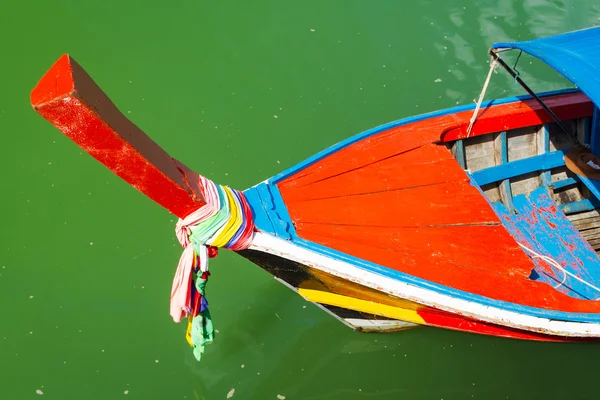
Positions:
(563, 127)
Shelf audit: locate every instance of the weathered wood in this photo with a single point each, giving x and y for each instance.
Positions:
(543, 146)
(458, 152)
(480, 152)
(589, 224)
(70, 100)
(501, 157)
(583, 216)
(519, 115)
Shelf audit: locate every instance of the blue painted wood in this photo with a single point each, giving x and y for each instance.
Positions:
(282, 213)
(545, 176)
(564, 183)
(405, 121)
(567, 238)
(580, 206)
(595, 132)
(261, 218)
(279, 219)
(520, 167)
(460, 154)
(592, 185)
(530, 220)
(511, 222)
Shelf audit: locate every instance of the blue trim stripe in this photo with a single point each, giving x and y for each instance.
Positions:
(405, 121)
(260, 215)
(519, 167)
(592, 185)
(580, 206)
(460, 154)
(281, 226)
(558, 185)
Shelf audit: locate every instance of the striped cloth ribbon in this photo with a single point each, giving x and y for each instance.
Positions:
(224, 221)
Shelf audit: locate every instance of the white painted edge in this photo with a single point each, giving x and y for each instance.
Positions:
(283, 248)
(380, 324)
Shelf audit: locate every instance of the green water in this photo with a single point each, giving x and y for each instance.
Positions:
(86, 262)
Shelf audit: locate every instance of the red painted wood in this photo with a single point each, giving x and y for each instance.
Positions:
(433, 164)
(519, 115)
(459, 246)
(372, 150)
(455, 202)
(70, 100)
(455, 322)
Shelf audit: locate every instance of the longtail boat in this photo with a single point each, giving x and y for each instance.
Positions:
(481, 218)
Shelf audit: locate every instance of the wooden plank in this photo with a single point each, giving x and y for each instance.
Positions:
(427, 165)
(519, 115)
(370, 150)
(501, 157)
(458, 152)
(442, 204)
(522, 143)
(579, 206)
(564, 243)
(519, 167)
(588, 224)
(463, 245)
(578, 217)
(592, 233)
(69, 99)
(592, 185)
(564, 183)
(319, 295)
(480, 152)
(543, 147)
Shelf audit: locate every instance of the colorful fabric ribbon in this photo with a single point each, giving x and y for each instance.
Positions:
(224, 221)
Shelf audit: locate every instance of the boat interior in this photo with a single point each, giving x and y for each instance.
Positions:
(552, 212)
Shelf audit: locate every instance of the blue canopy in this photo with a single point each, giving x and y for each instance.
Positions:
(576, 55)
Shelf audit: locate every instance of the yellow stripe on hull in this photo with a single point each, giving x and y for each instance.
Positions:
(366, 306)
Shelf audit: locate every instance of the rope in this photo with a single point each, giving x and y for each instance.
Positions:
(557, 265)
(224, 221)
(493, 63)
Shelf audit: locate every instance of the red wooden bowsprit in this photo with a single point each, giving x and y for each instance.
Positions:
(70, 100)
